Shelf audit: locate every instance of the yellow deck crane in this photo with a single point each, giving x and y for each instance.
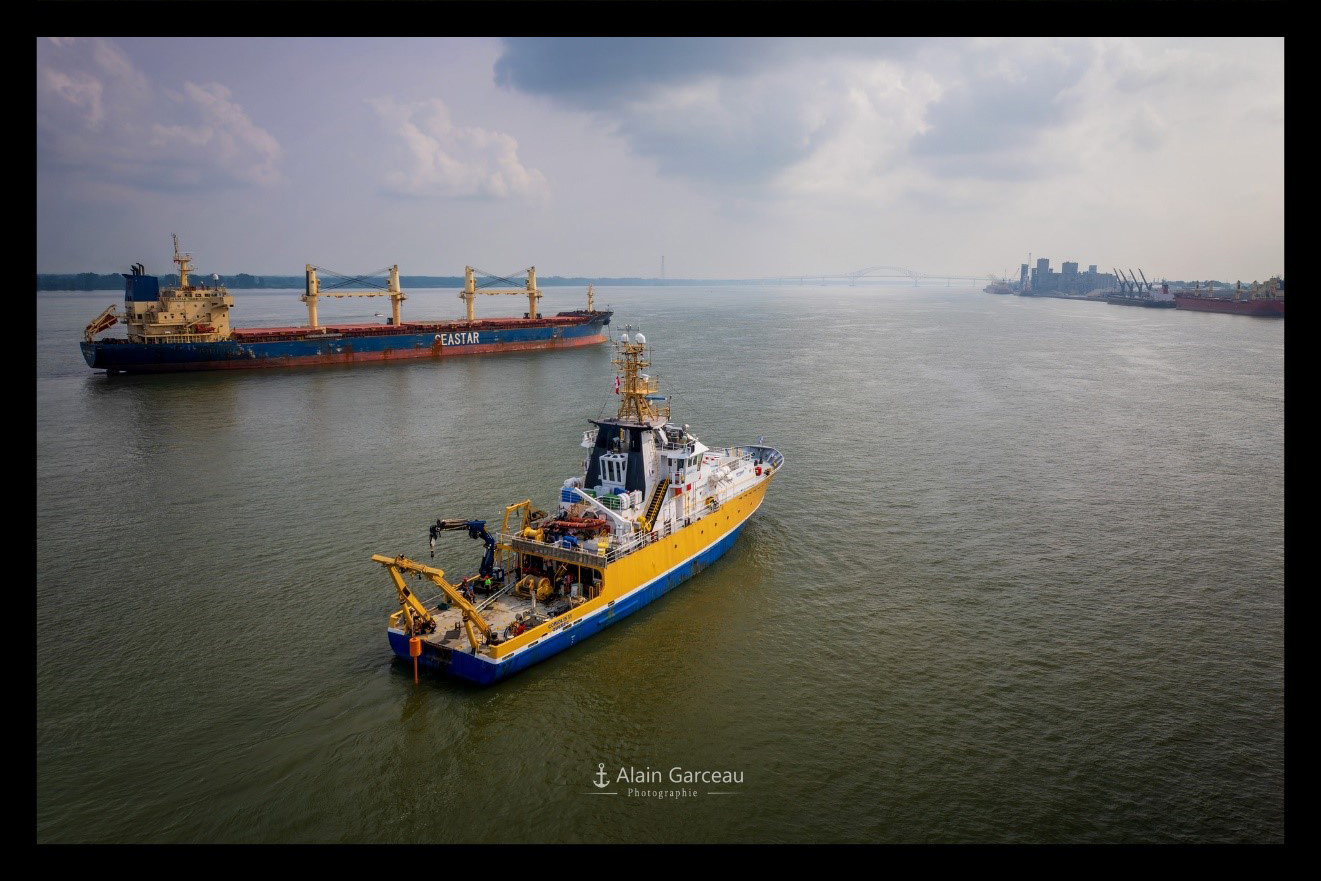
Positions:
(107, 318)
(312, 291)
(416, 616)
(529, 517)
(470, 291)
(416, 619)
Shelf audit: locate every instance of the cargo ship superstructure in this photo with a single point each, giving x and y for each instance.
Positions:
(187, 327)
(651, 508)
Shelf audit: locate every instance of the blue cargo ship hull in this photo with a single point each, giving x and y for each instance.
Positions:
(295, 348)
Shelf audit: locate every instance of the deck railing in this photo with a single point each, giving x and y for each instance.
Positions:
(580, 556)
(175, 338)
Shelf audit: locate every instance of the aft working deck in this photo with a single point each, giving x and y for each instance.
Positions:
(504, 611)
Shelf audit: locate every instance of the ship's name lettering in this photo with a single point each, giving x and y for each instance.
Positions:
(464, 338)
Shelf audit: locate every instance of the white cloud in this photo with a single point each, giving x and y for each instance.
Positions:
(875, 110)
(79, 90)
(225, 133)
(101, 118)
(438, 158)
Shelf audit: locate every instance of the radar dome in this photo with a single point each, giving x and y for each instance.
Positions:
(623, 338)
(640, 339)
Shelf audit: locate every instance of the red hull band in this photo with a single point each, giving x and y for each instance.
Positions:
(436, 351)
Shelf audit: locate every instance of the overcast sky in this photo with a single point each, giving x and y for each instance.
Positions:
(732, 158)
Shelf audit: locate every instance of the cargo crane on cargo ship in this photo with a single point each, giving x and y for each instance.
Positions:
(1124, 283)
(530, 290)
(1139, 293)
(312, 292)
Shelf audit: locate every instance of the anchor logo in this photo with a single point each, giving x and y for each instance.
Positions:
(601, 782)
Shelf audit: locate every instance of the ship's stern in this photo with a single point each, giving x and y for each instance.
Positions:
(450, 662)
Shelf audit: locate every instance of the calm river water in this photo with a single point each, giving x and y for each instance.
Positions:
(1021, 580)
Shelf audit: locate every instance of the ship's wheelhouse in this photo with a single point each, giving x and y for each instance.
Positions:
(616, 460)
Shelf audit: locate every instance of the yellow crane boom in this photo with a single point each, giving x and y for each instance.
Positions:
(415, 613)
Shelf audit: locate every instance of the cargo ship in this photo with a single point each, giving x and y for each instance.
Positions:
(1264, 300)
(1150, 301)
(187, 327)
(650, 509)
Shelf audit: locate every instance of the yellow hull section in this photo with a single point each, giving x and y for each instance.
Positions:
(645, 565)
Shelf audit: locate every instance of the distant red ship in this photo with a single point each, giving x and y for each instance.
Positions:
(1266, 300)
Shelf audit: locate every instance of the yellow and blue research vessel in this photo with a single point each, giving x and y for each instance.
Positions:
(652, 508)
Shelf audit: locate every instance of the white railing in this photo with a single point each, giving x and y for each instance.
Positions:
(590, 556)
(496, 594)
(177, 338)
(753, 452)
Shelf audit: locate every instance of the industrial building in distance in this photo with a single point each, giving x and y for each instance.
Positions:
(1042, 281)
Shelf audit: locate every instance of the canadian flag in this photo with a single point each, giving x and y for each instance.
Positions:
(616, 385)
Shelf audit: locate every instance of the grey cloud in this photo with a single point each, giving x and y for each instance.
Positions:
(748, 156)
(601, 73)
(987, 116)
(761, 115)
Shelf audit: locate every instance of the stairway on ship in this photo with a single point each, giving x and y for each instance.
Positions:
(657, 498)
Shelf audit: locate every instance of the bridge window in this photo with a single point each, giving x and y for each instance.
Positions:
(614, 467)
